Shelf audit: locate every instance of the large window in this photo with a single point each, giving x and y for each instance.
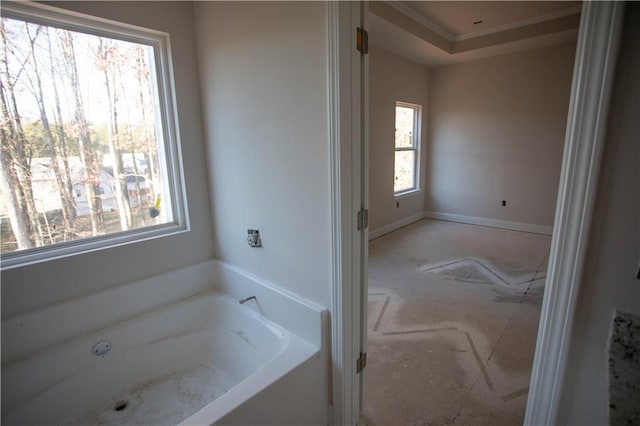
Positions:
(90, 154)
(407, 148)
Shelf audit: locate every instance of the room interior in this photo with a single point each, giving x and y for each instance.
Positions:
(251, 107)
(475, 95)
(493, 126)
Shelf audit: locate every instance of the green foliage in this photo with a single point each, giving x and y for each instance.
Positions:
(37, 142)
(99, 137)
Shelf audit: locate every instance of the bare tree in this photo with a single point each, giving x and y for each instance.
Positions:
(144, 88)
(62, 139)
(9, 181)
(87, 152)
(15, 146)
(106, 61)
(129, 138)
(65, 198)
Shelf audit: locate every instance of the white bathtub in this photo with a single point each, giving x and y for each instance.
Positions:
(201, 359)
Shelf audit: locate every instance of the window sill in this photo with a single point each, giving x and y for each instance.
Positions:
(406, 194)
(80, 247)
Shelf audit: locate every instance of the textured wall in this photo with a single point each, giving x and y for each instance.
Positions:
(263, 75)
(392, 79)
(496, 133)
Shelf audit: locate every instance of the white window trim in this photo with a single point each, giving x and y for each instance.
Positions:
(172, 166)
(417, 131)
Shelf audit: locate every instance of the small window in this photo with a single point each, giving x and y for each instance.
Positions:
(90, 152)
(407, 148)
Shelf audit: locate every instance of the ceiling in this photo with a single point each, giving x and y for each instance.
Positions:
(458, 17)
(440, 32)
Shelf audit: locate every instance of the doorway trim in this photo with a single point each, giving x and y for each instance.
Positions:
(597, 47)
(596, 53)
(345, 138)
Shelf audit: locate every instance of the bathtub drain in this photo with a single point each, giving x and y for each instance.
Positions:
(120, 406)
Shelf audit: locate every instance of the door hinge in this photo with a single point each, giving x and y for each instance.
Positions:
(361, 362)
(362, 40)
(363, 219)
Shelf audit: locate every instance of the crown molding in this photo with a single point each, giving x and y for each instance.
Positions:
(520, 24)
(452, 38)
(420, 19)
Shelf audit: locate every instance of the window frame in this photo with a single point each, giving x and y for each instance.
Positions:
(416, 148)
(166, 119)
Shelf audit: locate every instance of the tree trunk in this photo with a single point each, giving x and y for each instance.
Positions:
(142, 73)
(106, 63)
(8, 182)
(16, 148)
(23, 171)
(130, 139)
(87, 153)
(67, 181)
(63, 196)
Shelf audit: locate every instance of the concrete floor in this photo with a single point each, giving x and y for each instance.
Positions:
(452, 321)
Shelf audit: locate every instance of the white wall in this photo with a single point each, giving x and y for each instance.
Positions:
(497, 131)
(264, 87)
(614, 252)
(392, 79)
(34, 286)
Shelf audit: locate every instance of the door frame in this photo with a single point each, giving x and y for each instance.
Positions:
(345, 139)
(596, 53)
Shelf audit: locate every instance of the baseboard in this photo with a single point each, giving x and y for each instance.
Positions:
(383, 230)
(493, 223)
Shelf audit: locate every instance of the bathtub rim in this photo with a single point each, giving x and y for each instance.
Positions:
(297, 352)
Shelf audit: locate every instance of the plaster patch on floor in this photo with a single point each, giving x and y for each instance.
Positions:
(516, 394)
(424, 330)
(381, 315)
(471, 350)
(468, 273)
(478, 271)
(531, 296)
(459, 331)
(481, 366)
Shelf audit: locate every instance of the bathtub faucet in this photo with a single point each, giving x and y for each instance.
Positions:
(247, 299)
